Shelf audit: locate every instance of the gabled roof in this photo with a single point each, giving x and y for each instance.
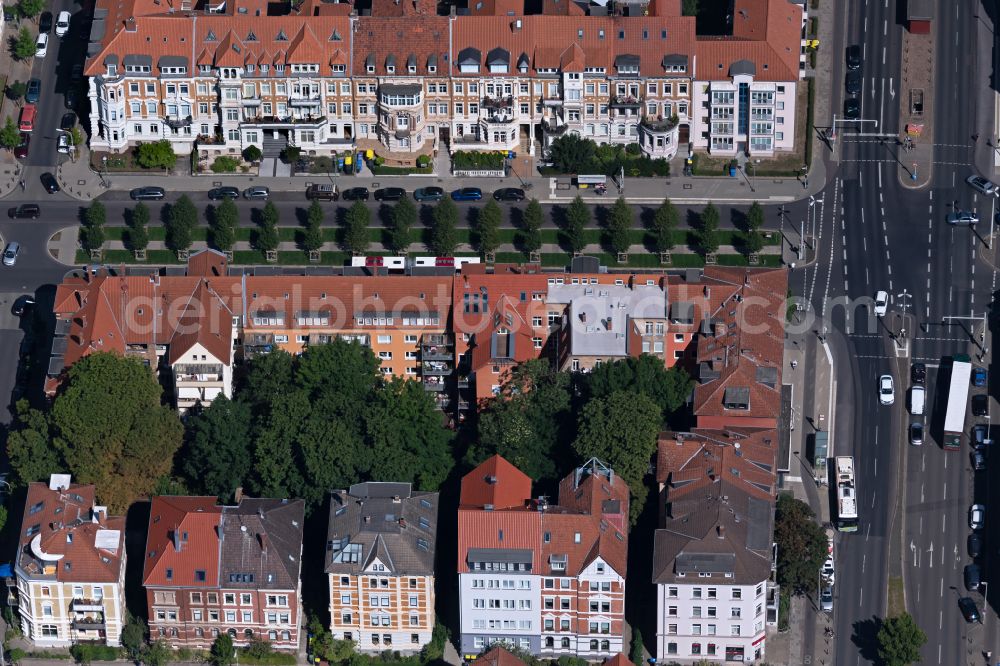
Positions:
(495, 483)
(306, 47)
(498, 656)
(215, 337)
(182, 539)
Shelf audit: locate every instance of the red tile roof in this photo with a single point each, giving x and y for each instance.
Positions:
(765, 32)
(618, 660)
(183, 538)
(498, 656)
(495, 482)
(207, 321)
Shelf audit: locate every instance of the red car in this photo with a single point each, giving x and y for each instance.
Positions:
(22, 148)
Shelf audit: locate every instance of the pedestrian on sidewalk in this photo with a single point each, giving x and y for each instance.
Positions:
(22, 184)
(795, 364)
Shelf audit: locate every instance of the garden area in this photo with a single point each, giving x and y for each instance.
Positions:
(153, 156)
(572, 154)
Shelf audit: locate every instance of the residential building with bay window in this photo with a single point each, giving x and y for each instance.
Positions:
(403, 81)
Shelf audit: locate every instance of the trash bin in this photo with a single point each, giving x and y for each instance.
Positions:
(732, 172)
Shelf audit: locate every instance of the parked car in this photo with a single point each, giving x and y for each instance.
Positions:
(428, 194)
(827, 572)
(962, 218)
(26, 120)
(21, 151)
(886, 390)
(62, 144)
(969, 610)
(854, 56)
(467, 194)
(33, 91)
(981, 405)
(44, 22)
(881, 303)
(10, 253)
(152, 193)
(24, 212)
(918, 373)
(49, 182)
(981, 435)
(852, 82)
(979, 376)
(978, 457)
(977, 516)
(390, 194)
(62, 24)
(257, 193)
(42, 45)
(971, 576)
(852, 108)
(68, 121)
(225, 192)
(916, 433)
(509, 194)
(70, 98)
(981, 185)
(22, 305)
(974, 544)
(322, 192)
(355, 194)
(826, 599)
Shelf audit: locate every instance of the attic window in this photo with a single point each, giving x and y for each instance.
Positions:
(576, 537)
(425, 503)
(69, 537)
(236, 47)
(340, 511)
(579, 33)
(241, 578)
(251, 37)
(663, 34)
(547, 537)
(170, 574)
(336, 36)
(645, 33)
(199, 575)
(210, 37)
(424, 523)
(35, 508)
(600, 33)
(281, 36)
(33, 530)
(423, 545)
(621, 34)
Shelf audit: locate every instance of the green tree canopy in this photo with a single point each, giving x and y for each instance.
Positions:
(488, 227)
(30, 8)
(181, 222)
(356, 234)
(16, 90)
(802, 545)
(217, 457)
(754, 241)
(404, 218)
(138, 234)
(755, 217)
(252, 153)
(572, 153)
(444, 237)
(646, 375)
(10, 136)
(224, 225)
(24, 45)
(578, 218)
(312, 238)
(96, 215)
(900, 640)
(665, 221)
(619, 225)
(708, 236)
(223, 651)
(32, 457)
(267, 235)
(531, 236)
(155, 155)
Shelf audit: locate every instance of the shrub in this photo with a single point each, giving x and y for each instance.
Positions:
(252, 153)
(225, 164)
(291, 154)
(423, 161)
(155, 155)
(633, 149)
(475, 161)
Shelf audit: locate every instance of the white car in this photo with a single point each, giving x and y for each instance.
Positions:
(886, 391)
(63, 144)
(977, 516)
(62, 24)
(10, 254)
(827, 571)
(42, 45)
(881, 303)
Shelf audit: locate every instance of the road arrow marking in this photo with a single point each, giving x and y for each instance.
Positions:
(913, 549)
(930, 550)
(892, 93)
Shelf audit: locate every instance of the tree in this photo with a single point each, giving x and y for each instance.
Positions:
(92, 231)
(900, 640)
(267, 239)
(181, 222)
(802, 545)
(218, 456)
(404, 218)
(224, 225)
(96, 215)
(577, 220)
(665, 221)
(488, 227)
(645, 375)
(708, 236)
(532, 233)
(689, 8)
(16, 90)
(356, 234)
(621, 430)
(312, 238)
(637, 653)
(252, 153)
(157, 654)
(571, 153)
(753, 241)
(138, 235)
(444, 238)
(32, 457)
(325, 646)
(223, 651)
(755, 217)
(619, 225)
(30, 8)
(24, 45)
(155, 155)
(133, 638)
(10, 136)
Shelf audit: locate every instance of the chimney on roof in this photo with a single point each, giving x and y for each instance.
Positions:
(402, 523)
(238, 495)
(608, 324)
(583, 317)
(516, 25)
(721, 531)
(177, 540)
(130, 24)
(262, 539)
(708, 291)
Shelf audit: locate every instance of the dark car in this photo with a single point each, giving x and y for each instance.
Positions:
(509, 194)
(257, 193)
(918, 373)
(979, 376)
(974, 544)
(978, 460)
(68, 121)
(33, 91)
(44, 22)
(981, 435)
(49, 182)
(147, 193)
(24, 212)
(21, 151)
(22, 305)
(428, 194)
(980, 405)
(390, 194)
(70, 98)
(355, 194)
(852, 109)
(467, 194)
(220, 193)
(854, 56)
(916, 433)
(971, 577)
(969, 610)
(852, 82)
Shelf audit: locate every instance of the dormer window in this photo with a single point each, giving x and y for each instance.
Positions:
(370, 69)
(432, 69)
(390, 69)
(412, 69)
(279, 69)
(112, 70)
(282, 37)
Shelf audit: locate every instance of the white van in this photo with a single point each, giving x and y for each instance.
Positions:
(917, 400)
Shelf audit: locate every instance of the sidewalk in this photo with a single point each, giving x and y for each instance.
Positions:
(79, 181)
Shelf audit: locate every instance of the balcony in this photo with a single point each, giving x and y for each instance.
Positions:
(299, 102)
(659, 124)
(436, 347)
(553, 101)
(498, 102)
(89, 623)
(81, 605)
(624, 101)
(433, 383)
(175, 123)
(442, 368)
(250, 101)
(259, 344)
(554, 129)
(284, 121)
(499, 118)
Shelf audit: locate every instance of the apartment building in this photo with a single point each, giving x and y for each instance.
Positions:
(403, 81)
(69, 566)
(713, 553)
(380, 563)
(211, 569)
(546, 578)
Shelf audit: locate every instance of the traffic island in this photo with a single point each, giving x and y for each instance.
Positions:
(914, 149)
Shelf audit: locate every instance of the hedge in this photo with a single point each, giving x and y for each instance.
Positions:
(473, 160)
